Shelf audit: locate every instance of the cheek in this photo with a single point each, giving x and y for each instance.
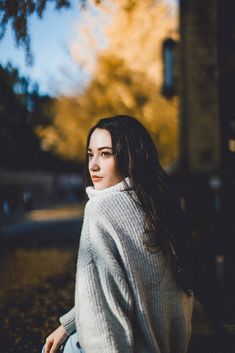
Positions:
(111, 167)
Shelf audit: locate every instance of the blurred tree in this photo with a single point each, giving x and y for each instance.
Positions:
(126, 80)
(13, 103)
(20, 109)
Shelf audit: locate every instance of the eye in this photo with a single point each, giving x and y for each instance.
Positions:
(106, 154)
(89, 155)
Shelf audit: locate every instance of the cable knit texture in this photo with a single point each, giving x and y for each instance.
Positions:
(126, 299)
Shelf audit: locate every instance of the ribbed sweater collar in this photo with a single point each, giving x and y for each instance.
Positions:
(92, 192)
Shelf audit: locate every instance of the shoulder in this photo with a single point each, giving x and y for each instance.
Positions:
(114, 219)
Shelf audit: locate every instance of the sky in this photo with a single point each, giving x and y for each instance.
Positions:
(53, 67)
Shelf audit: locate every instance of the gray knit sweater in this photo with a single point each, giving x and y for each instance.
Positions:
(126, 299)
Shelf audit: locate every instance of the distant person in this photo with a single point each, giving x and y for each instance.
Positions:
(133, 291)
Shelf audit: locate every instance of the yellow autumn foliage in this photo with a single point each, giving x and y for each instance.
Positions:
(126, 79)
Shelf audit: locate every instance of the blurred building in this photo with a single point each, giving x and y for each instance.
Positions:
(207, 158)
(31, 178)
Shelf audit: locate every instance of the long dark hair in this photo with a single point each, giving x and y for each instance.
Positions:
(136, 157)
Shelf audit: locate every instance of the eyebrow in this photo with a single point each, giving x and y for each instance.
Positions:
(101, 148)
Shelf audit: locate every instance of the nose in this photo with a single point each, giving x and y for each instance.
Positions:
(94, 164)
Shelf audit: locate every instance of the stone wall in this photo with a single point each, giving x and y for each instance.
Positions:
(200, 137)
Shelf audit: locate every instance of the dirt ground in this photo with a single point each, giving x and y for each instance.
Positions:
(37, 286)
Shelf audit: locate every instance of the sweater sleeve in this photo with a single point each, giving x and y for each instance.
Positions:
(105, 313)
(68, 321)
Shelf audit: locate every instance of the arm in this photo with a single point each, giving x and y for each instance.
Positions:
(68, 321)
(105, 301)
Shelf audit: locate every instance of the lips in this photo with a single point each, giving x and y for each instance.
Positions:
(96, 178)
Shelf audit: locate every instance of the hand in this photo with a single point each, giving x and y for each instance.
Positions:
(55, 339)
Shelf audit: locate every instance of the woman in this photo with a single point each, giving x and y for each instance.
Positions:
(132, 291)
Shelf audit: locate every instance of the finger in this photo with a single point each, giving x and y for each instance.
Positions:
(48, 346)
(54, 348)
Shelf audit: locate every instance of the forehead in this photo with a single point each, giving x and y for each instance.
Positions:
(100, 138)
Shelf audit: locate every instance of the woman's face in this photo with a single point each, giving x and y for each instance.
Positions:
(102, 164)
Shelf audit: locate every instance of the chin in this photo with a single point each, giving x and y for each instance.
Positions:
(99, 186)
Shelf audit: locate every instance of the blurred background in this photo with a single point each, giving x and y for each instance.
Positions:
(63, 65)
